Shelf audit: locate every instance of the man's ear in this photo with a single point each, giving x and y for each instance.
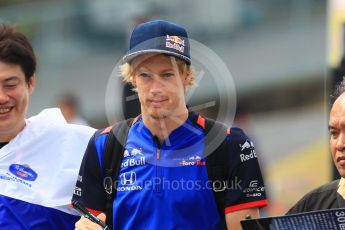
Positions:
(188, 79)
(32, 83)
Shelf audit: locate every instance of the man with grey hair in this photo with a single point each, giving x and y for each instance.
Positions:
(331, 195)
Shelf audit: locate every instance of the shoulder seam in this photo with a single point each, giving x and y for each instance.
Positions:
(106, 130)
(326, 187)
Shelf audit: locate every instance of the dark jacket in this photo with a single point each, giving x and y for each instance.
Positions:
(321, 198)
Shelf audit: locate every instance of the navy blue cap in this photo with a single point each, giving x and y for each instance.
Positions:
(159, 37)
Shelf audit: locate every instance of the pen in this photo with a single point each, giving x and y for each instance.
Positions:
(86, 213)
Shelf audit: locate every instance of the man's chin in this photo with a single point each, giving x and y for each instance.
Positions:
(158, 116)
(159, 113)
(341, 172)
(6, 127)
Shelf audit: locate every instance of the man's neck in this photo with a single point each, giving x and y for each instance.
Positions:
(8, 135)
(163, 126)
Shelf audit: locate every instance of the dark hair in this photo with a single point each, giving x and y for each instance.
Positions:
(16, 49)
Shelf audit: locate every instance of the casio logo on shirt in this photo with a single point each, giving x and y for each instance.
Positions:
(254, 190)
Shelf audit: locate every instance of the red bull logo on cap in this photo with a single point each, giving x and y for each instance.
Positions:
(175, 39)
(175, 42)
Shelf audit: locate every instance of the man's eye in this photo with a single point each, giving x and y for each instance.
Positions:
(144, 75)
(333, 133)
(11, 86)
(167, 75)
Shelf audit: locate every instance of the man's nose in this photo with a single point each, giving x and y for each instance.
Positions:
(157, 85)
(340, 145)
(3, 96)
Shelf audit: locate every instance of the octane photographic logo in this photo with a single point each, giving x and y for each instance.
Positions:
(215, 90)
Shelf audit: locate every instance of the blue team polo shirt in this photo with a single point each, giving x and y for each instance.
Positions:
(164, 185)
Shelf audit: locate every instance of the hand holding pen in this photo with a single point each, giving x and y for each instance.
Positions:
(87, 214)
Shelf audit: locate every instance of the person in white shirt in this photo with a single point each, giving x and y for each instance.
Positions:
(39, 156)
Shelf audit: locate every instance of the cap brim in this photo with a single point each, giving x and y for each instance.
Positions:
(130, 56)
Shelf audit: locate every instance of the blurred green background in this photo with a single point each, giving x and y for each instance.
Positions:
(276, 51)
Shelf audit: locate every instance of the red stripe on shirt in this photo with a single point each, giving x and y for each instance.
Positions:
(253, 204)
(94, 212)
(201, 121)
(107, 130)
(135, 119)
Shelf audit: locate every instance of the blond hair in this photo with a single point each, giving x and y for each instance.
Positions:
(128, 69)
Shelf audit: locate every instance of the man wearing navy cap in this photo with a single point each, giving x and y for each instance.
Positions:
(164, 179)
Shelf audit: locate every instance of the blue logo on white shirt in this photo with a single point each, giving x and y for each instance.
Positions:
(23, 171)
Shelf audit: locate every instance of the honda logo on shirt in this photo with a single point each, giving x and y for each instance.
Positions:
(128, 178)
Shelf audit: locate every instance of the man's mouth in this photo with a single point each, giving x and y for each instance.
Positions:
(158, 102)
(5, 110)
(341, 161)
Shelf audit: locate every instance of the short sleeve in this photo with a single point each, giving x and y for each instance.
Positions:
(245, 184)
(89, 189)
